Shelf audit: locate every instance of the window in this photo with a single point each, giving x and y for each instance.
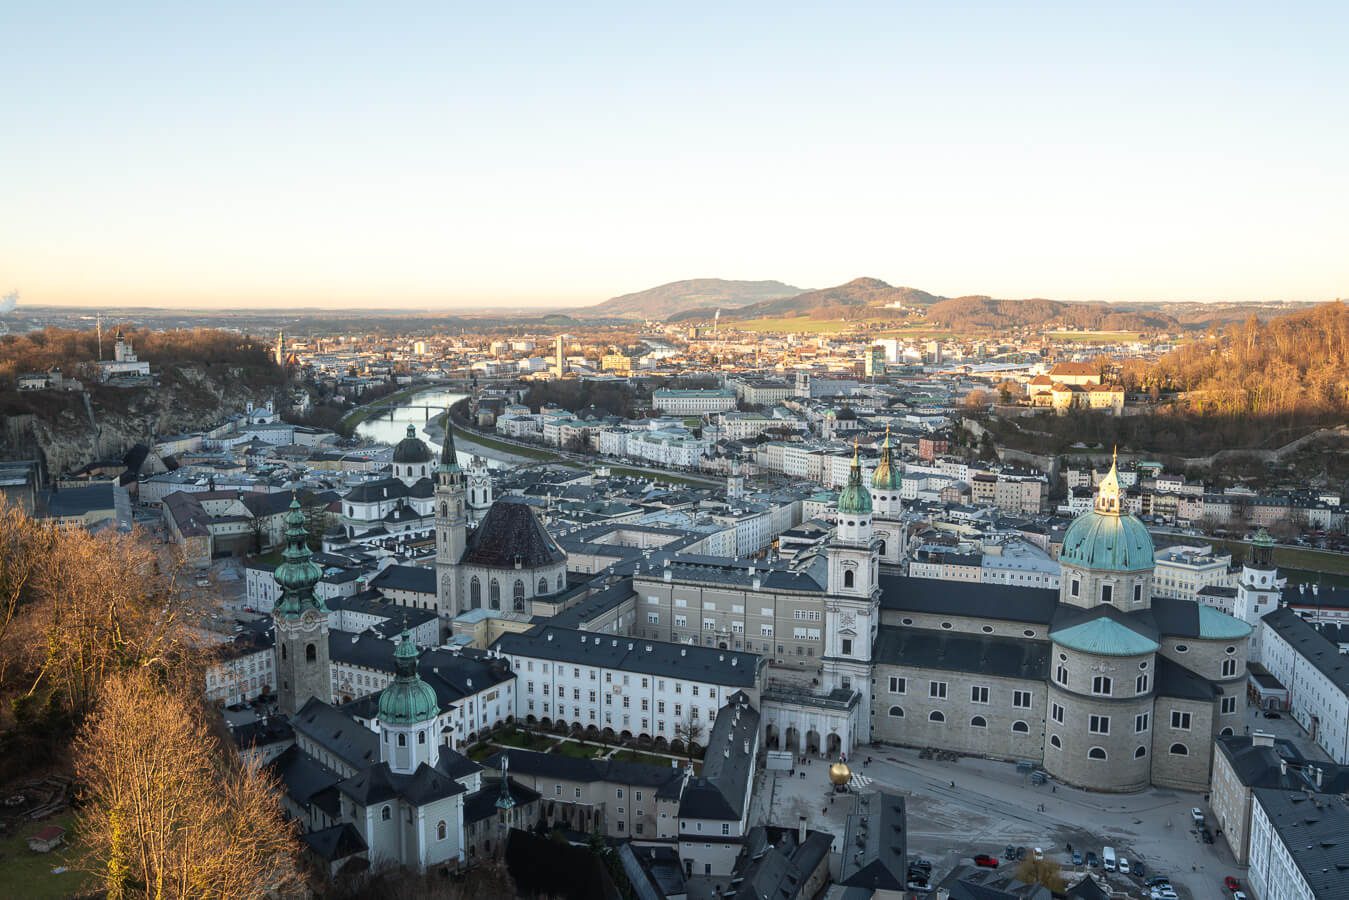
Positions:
(978, 722)
(1021, 699)
(1099, 724)
(1055, 742)
(978, 694)
(519, 595)
(1182, 648)
(725, 827)
(849, 577)
(1138, 594)
(1101, 684)
(1020, 727)
(1075, 589)
(1141, 722)
(1180, 750)
(1061, 675)
(1229, 705)
(386, 814)
(653, 618)
(936, 716)
(1141, 684)
(847, 647)
(494, 594)
(1056, 713)
(440, 830)
(987, 629)
(543, 586)
(896, 712)
(1107, 593)
(402, 740)
(1096, 753)
(936, 690)
(1180, 720)
(898, 685)
(1229, 668)
(618, 793)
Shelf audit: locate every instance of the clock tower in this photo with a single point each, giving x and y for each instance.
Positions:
(301, 622)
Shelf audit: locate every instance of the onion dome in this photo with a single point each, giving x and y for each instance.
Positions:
(839, 773)
(886, 477)
(1106, 538)
(411, 449)
(298, 573)
(855, 499)
(408, 700)
(449, 456)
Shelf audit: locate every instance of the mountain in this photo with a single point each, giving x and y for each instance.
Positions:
(667, 299)
(838, 302)
(987, 313)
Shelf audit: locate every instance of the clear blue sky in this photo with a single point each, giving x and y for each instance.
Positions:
(451, 154)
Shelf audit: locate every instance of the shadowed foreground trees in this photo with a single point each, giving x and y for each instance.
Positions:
(166, 814)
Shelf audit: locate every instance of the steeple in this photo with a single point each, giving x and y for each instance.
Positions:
(408, 710)
(298, 573)
(1107, 497)
(855, 499)
(886, 477)
(449, 457)
(505, 801)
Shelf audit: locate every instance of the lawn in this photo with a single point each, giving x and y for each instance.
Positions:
(26, 874)
(530, 452)
(577, 750)
(651, 759)
(802, 324)
(524, 740)
(663, 476)
(1305, 559)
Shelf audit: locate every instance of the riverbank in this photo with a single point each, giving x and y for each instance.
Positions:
(358, 415)
(496, 450)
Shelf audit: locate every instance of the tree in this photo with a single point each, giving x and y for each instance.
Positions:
(690, 731)
(1041, 871)
(168, 812)
(23, 543)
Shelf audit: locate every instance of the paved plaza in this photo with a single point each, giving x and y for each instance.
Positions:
(992, 805)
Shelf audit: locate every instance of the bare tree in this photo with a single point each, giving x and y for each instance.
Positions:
(23, 543)
(169, 812)
(690, 731)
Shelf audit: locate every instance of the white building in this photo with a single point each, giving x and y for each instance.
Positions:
(1297, 845)
(694, 402)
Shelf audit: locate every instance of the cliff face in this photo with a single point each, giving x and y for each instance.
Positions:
(69, 429)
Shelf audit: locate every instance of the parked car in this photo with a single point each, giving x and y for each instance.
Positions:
(919, 887)
(1231, 883)
(984, 861)
(1009, 853)
(921, 864)
(1092, 861)
(1164, 893)
(1124, 865)
(1159, 881)
(1077, 857)
(1271, 714)
(1238, 895)
(1197, 815)
(1039, 854)
(1020, 853)
(1139, 871)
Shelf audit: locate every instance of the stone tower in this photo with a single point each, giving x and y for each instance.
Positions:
(886, 487)
(735, 481)
(451, 525)
(301, 621)
(1259, 589)
(479, 485)
(407, 715)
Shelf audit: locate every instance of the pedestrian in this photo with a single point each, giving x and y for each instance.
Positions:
(953, 784)
(1053, 789)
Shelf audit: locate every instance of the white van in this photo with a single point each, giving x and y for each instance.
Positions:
(1108, 858)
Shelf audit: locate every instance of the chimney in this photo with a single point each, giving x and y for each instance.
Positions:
(801, 830)
(1318, 777)
(1262, 739)
(1318, 773)
(1283, 766)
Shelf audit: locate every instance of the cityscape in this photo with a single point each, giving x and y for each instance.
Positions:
(415, 557)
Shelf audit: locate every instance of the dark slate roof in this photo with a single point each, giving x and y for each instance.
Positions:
(1087, 889)
(654, 872)
(1315, 647)
(561, 767)
(301, 775)
(1316, 595)
(337, 842)
(773, 866)
(511, 533)
(411, 449)
(338, 733)
(79, 500)
(968, 599)
(875, 844)
(959, 652)
(483, 804)
(379, 489)
(722, 790)
(1316, 832)
(378, 783)
(420, 579)
(1280, 765)
(659, 658)
(1174, 680)
(594, 606)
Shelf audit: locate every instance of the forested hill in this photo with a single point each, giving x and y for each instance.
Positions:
(1295, 366)
(988, 313)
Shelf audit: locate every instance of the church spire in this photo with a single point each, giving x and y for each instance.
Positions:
(449, 456)
(1107, 497)
(298, 573)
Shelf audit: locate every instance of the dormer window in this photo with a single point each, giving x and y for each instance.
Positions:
(1107, 593)
(1075, 588)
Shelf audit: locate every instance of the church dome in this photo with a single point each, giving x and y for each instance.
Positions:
(855, 499)
(411, 449)
(886, 477)
(1106, 538)
(408, 700)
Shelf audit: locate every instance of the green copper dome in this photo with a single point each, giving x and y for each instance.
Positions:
(886, 477)
(855, 499)
(298, 573)
(408, 700)
(1104, 637)
(1108, 538)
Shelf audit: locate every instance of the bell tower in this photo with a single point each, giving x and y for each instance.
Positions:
(301, 622)
(451, 525)
(886, 487)
(1259, 589)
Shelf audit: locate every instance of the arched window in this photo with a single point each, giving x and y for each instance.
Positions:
(1140, 752)
(897, 712)
(475, 593)
(936, 716)
(386, 814)
(283, 651)
(402, 740)
(421, 737)
(519, 595)
(440, 830)
(1055, 742)
(494, 594)
(1020, 727)
(978, 722)
(1226, 731)
(882, 548)
(848, 578)
(1096, 753)
(444, 510)
(543, 586)
(1180, 750)
(311, 653)
(559, 581)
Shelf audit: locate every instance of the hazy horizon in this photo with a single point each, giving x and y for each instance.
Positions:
(431, 156)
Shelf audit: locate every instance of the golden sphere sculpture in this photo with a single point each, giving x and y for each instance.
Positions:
(840, 774)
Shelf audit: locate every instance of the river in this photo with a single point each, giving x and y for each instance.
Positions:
(391, 427)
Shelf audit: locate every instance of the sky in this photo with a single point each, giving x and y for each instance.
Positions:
(453, 155)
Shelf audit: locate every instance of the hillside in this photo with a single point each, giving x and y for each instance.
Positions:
(842, 301)
(987, 313)
(714, 293)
